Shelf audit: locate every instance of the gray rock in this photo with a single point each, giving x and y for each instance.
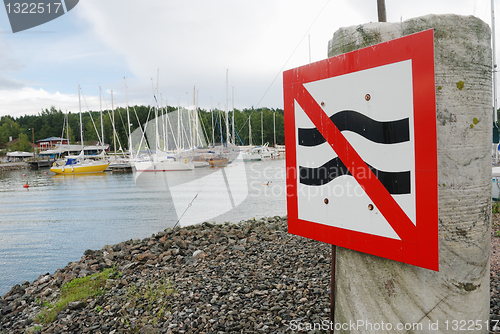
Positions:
(239, 248)
(76, 305)
(199, 255)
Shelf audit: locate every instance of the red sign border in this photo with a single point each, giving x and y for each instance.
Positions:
(421, 248)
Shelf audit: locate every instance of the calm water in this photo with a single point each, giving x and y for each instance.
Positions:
(59, 217)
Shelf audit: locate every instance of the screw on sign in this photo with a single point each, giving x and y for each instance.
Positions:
(371, 157)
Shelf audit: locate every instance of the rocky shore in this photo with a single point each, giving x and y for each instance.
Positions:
(495, 271)
(210, 278)
(250, 277)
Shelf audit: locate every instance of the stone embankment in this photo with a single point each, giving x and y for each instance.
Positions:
(13, 166)
(223, 278)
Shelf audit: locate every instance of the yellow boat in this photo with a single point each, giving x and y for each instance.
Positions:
(73, 166)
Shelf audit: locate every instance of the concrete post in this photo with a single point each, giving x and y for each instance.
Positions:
(380, 292)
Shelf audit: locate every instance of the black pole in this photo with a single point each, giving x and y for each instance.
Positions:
(382, 17)
(332, 292)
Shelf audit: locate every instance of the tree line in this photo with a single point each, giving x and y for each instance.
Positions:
(16, 134)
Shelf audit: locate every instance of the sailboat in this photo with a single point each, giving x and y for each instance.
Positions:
(163, 161)
(78, 164)
(157, 160)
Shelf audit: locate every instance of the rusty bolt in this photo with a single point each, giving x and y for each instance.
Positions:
(370, 207)
(326, 201)
(367, 97)
(322, 103)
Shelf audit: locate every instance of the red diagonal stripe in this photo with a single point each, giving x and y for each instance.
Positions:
(389, 208)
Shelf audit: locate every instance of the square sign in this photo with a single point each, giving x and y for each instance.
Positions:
(361, 159)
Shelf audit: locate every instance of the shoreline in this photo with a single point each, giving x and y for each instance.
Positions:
(8, 166)
(242, 277)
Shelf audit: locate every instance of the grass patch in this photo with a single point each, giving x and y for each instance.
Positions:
(77, 289)
(150, 301)
(495, 207)
(33, 329)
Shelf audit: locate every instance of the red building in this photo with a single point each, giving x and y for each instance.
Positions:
(51, 143)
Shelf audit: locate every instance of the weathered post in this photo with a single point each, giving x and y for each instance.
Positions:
(374, 291)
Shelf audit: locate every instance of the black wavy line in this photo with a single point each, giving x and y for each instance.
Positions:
(396, 183)
(390, 132)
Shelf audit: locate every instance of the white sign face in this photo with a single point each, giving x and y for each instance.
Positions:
(371, 112)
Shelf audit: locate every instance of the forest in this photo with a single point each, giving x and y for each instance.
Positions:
(16, 134)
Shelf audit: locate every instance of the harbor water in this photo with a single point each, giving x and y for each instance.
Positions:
(57, 218)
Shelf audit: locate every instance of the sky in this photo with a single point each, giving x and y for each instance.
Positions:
(181, 47)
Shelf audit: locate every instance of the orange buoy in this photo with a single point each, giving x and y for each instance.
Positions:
(24, 175)
(26, 186)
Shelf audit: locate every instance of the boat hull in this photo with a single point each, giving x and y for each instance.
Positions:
(218, 162)
(80, 169)
(167, 166)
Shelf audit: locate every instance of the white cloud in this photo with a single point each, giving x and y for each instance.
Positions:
(21, 102)
(192, 42)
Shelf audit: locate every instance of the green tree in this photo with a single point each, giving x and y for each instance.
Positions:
(23, 143)
(8, 128)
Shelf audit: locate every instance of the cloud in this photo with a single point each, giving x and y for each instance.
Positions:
(8, 62)
(19, 102)
(6, 83)
(194, 42)
(191, 42)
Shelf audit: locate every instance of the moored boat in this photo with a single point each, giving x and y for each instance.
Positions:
(75, 166)
(218, 161)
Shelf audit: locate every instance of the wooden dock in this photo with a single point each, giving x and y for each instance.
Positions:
(12, 166)
(40, 164)
(120, 169)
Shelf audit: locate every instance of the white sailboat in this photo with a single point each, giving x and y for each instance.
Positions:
(158, 160)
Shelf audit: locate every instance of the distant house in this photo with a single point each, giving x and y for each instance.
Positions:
(50, 143)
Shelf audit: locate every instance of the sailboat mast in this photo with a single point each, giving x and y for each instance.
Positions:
(232, 101)
(200, 141)
(67, 128)
(194, 118)
(115, 134)
(262, 126)
(128, 121)
(179, 137)
(274, 125)
(102, 124)
(213, 130)
(81, 123)
(157, 137)
(164, 119)
(249, 131)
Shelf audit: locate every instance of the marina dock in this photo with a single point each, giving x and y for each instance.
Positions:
(37, 164)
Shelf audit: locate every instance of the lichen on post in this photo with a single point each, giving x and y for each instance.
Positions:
(373, 290)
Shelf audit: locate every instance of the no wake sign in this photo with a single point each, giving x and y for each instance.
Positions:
(360, 132)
